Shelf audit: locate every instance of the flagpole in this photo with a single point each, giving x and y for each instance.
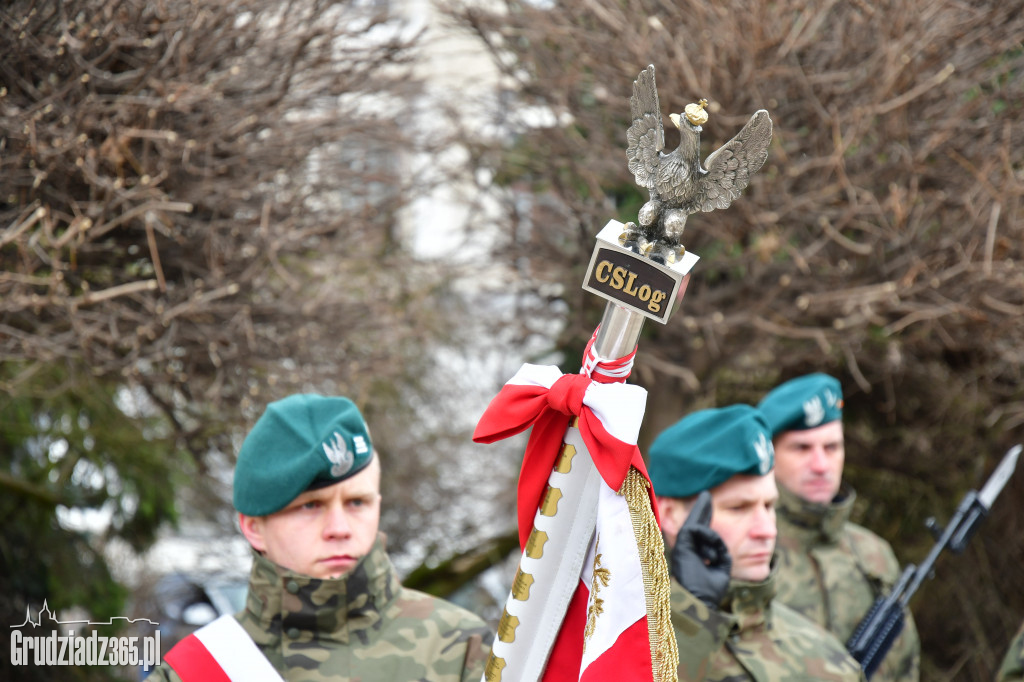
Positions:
(641, 272)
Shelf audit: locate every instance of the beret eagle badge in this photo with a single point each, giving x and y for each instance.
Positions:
(338, 454)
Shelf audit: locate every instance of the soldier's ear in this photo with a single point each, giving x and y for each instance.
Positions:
(672, 513)
(252, 529)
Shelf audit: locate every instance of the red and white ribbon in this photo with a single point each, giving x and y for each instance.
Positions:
(221, 651)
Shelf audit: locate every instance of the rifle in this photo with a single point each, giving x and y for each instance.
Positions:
(878, 630)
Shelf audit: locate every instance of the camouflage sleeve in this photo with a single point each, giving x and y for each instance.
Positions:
(903, 663)
(822, 655)
(478, 649)
(1012, 669)
(700, 632)
(163, 673)
(874, 555)
(877, 559)
(904, 660)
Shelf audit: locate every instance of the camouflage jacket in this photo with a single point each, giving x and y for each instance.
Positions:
(363, 626)
(1012, 669)
(831, 571)
(754, 638)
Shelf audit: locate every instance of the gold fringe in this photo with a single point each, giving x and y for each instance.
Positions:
(664, 650)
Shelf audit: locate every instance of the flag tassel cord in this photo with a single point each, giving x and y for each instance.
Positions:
(664, 649)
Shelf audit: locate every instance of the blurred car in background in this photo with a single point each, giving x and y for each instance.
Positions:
(182, 603)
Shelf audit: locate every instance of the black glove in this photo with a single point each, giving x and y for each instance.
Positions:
(700, 560)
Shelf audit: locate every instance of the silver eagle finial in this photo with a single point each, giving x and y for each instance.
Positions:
(677, 183)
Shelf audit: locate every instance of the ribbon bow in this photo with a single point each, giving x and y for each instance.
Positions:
(610, 414)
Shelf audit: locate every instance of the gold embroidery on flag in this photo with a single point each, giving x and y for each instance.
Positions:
(494, 667)
(549, 507)
(507, 627)
(564, 464)
(601, 578)
(535, 545)
(521, 585)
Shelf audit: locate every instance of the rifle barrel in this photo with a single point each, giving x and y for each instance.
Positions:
(955, 526)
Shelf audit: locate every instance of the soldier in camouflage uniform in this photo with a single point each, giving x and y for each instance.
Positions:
(324, 600)
(830, 570)
(716, 493)
(1012, 669)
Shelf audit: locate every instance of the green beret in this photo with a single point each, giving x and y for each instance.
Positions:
(302, 442)
(803, 403)
(709, 447)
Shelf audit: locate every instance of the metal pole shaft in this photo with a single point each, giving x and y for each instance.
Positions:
(619, 332)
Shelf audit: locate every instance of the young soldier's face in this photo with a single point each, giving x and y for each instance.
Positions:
(743, 514)
(809, 463)
(322, 533)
